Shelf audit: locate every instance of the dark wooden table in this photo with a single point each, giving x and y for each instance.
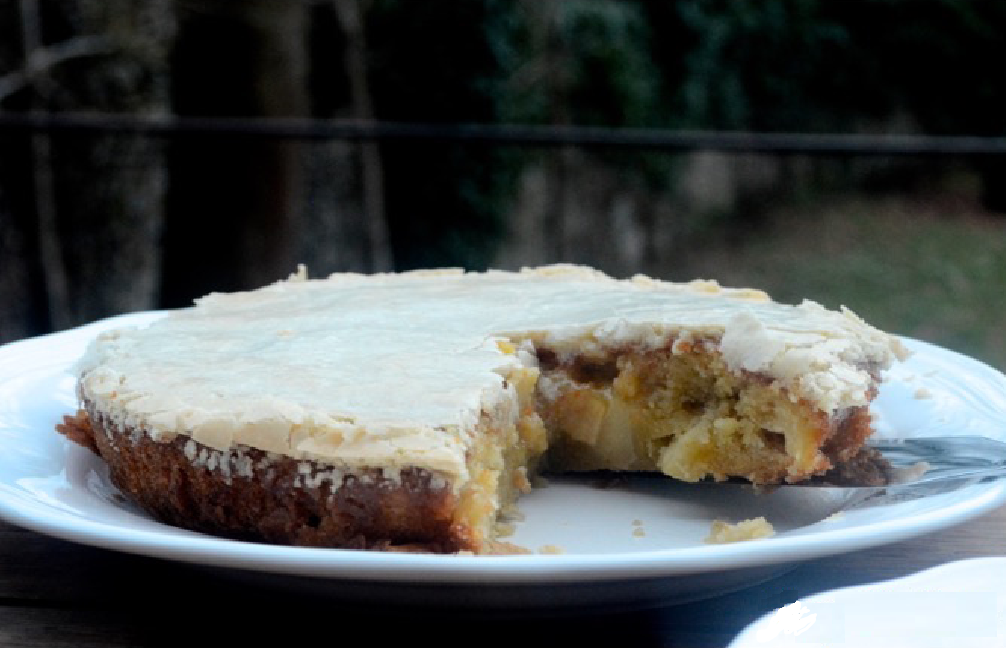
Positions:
(55, 593)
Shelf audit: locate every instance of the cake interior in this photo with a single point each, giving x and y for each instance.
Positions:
(677, 410)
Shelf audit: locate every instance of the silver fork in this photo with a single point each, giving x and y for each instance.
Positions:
(946, 457)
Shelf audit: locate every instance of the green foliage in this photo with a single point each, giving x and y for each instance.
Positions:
(581, 62)
(818, 65)
(938, 60)
(586, 63)
(769, 65)
(746, 64)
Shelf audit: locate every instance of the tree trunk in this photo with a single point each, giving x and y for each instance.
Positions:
(21, 289)
(350, 15)
(86, 210)
(235, 201)
(560, 162)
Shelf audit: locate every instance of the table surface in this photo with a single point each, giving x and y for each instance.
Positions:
(55, 593)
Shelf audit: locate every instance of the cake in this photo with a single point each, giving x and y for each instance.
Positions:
(407, 411)
(723, 532)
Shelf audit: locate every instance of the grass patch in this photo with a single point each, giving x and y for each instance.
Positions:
(929, 269)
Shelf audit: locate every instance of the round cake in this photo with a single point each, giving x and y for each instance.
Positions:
(408, 411)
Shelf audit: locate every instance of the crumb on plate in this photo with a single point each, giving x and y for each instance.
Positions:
(753, 529)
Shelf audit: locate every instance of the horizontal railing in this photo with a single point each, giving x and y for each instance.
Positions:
(510, 134)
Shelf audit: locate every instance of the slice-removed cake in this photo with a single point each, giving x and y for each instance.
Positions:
(407, 410)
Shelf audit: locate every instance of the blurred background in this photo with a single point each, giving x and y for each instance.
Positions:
(852, 152)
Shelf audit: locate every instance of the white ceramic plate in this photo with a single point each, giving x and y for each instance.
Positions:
(639, 540)
(958, 605)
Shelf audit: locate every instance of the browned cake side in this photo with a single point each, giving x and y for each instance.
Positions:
(281, 503)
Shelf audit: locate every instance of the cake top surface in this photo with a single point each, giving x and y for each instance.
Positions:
(396, 369)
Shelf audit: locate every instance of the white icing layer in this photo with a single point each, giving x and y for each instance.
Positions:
(396, 369)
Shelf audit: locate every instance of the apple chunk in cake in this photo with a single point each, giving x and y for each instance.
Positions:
(406, 411)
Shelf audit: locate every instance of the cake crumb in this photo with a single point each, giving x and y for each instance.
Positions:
(637, 523)
(299, 275)
(639, 532)
(908, 474)
(724, 532)
(77, 428)
(551, 549)
(521, 481)
(511, 513)
(502, 548)
(922, 393)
